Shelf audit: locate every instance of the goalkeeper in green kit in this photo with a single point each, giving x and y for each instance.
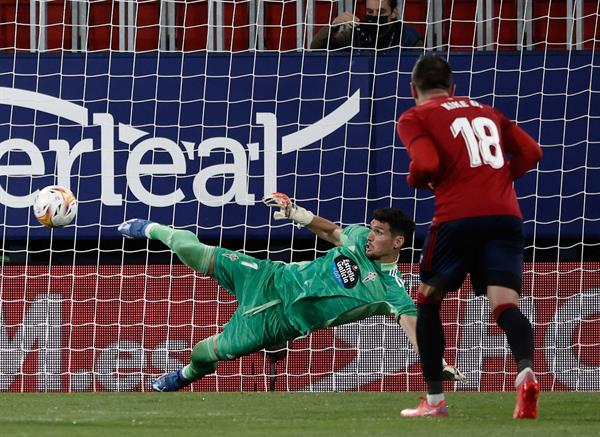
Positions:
(280, 301)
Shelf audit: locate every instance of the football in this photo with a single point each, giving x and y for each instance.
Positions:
(55, 206)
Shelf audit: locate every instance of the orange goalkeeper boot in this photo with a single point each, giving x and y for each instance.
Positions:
(528, 391)
(424, 409)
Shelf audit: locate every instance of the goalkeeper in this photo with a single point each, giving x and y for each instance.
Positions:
(278, 302)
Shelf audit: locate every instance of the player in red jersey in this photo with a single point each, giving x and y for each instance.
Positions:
(459, 148)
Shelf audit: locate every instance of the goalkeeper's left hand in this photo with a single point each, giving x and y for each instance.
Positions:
(451, 373)
(288, 209)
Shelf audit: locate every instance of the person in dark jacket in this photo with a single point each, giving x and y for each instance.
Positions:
(380, 29)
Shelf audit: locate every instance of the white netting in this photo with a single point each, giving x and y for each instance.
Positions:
(188, 112)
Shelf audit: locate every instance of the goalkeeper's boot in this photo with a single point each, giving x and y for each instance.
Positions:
(135, 228)
(425, 410)
(172, 381)
(528, 391)
(451, 373)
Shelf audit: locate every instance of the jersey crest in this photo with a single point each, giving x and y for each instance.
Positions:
(231, 256)
(345, 271)
(371, 276)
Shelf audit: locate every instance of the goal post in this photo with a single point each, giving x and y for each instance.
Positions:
(187, 113)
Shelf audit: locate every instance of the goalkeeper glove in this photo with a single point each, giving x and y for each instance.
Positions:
(451, 373)
(288, 209)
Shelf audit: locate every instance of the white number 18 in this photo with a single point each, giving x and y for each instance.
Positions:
(482, 140)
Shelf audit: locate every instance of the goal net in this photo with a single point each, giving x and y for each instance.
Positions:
(188, 112)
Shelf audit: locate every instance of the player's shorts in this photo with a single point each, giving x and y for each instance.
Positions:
(490, 248)
(259, 321)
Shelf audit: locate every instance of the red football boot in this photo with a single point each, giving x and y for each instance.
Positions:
(528, 391)
(424, 409)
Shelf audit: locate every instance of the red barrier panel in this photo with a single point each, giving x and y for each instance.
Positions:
(115, 327)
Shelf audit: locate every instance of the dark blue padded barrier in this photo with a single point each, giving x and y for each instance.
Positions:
(192, 97)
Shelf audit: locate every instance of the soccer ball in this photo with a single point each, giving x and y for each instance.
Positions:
(55, 206)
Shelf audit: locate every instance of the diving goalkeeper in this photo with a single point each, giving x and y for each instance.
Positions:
(278, 301)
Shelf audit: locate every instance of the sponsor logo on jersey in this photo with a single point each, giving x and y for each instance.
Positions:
(345, 271)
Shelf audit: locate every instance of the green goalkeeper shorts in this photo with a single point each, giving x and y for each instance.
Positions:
(259, 320)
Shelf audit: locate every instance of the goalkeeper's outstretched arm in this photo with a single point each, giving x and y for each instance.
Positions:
(323, 228)
(326, 229)
(409, 326)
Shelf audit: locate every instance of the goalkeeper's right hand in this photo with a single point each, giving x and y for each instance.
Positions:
(451, 373)
(288, 209)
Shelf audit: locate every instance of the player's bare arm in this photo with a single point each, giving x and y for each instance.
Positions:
(409, 326)
(326, 230)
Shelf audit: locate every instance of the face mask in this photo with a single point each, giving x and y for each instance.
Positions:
(375, 19)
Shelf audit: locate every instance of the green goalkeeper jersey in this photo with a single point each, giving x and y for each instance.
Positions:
(341, 287)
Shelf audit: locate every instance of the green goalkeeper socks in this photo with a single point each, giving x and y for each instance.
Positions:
(204, 360)
(185, 244)
(196, 255)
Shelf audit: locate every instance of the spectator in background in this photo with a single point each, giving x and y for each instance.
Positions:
(380, 29)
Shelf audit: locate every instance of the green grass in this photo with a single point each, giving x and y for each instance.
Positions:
(288, 414)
